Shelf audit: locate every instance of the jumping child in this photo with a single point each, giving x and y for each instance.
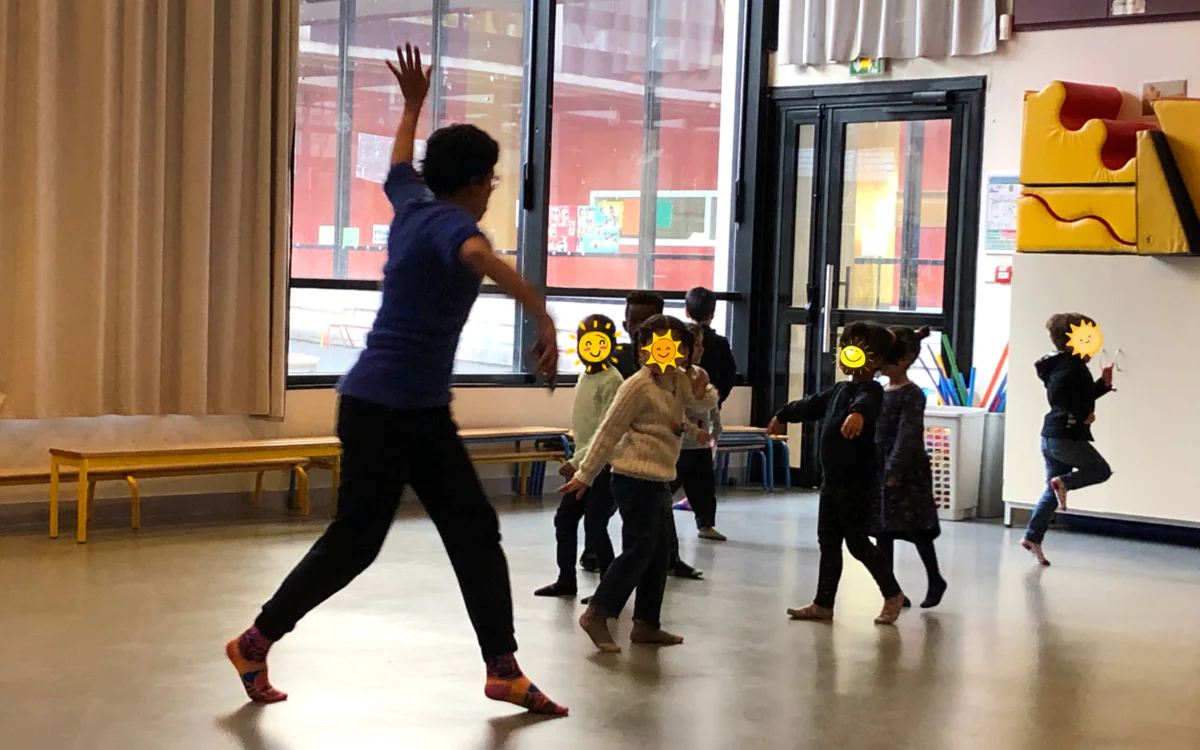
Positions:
(849, 411)
(907, 509)
(640, 438)
(1072, 462)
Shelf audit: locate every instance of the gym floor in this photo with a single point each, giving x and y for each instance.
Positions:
(117, 645)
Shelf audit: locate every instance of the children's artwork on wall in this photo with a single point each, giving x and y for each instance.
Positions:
(1000, 213)
(598, 227)
(561, 230)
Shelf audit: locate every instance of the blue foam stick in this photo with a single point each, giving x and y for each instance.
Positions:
(962, 389)
(971, 389)
(948, 391)
(994, 406)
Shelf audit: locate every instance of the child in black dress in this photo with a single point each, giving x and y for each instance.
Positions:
(850, 482)
(906, 508)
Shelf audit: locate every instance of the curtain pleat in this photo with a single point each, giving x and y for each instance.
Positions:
(825, 31)
(145, 150)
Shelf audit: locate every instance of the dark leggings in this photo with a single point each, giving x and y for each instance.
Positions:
(925, 548)
(646, 533)
(383, 451)
(842, 517)
(596, 507)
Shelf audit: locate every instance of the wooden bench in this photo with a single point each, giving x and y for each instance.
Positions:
(89, 466)
(529, 465)
(755, 440)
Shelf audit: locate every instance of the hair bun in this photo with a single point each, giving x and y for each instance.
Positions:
(922, 333)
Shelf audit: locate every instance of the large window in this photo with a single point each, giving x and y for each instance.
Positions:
(640, 160)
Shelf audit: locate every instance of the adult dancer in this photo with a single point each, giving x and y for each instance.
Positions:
(394, 416)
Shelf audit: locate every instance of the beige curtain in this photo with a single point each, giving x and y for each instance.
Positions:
(824, 31)
(145, 194)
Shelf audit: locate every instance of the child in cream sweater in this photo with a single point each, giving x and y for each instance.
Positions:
(640, 438)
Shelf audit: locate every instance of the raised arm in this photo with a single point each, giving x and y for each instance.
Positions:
(414, 85)
(478, 255)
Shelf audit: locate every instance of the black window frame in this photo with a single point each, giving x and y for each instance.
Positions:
(532, 229)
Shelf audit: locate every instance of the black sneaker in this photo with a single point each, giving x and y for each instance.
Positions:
(683, 570)
(589, 563)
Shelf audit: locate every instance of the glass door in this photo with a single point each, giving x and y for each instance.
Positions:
(874, 219)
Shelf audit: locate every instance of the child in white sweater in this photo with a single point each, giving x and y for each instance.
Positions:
(640, 438)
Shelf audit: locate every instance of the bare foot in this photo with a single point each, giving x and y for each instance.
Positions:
(811, 612)
(892, 607)
(643, 633)
(1036, 551)
(1060, 492)
(596, 626)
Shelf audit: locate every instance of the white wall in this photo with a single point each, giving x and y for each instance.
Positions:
(24, 443)
(1146, 429)
(1124, 56)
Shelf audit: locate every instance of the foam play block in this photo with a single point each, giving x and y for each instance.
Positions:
(1096, 220)
(1072, 136)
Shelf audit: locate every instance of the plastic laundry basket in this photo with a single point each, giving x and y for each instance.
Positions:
(954, 442)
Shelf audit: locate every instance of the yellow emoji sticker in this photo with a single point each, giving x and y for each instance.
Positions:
(1085, 339)
(853, 357)
(664, 350)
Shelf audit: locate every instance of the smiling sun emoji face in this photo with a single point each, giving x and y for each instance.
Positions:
(1085, 339)
(664, 351)
(852, 357)
(597, 343)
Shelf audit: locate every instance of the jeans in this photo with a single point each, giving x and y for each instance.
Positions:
(1078, 464)
(595, 508)
(842, 516)
(384, 450)
(694, 472)
(646, 534)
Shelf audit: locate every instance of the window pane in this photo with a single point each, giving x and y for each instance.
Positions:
(341, 214)
(617, 220)
(894, 205)
(328, 328)
(569, 311)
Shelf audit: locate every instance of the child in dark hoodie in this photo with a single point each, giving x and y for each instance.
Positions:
(1072, 462)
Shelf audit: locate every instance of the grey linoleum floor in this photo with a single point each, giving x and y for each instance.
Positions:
(117, 645)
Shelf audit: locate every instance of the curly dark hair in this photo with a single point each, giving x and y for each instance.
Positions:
(645, 298)
(876, 339)
(1059, 326)
(458, 156)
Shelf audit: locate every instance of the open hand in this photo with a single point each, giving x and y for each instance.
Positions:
(1106, 375)
(566, 471)
(1090, 418)
(853, 426)
(413, 80)
(703, 437)
(699, 380)
(574, 485)
(775, 427)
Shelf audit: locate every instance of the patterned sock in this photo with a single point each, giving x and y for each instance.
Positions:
(248, 652)
(506, 682)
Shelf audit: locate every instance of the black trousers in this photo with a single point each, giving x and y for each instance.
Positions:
(694, 473)
(842, 517)
(383, 451)
(646, 534)
(596, 507)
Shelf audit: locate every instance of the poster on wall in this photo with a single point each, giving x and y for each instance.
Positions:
(561, 230)
(598, 227)
(1000, 213)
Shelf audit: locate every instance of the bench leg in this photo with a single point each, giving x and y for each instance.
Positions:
(54, 497)
(136, 497)
(81, 496)
(301, 489)
(335, 472)
(258, 487)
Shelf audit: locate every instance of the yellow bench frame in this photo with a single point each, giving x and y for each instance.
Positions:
(182, 460)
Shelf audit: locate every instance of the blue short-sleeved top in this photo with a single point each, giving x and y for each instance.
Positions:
(428, 293)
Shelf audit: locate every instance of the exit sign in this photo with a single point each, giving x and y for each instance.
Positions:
(867, 66)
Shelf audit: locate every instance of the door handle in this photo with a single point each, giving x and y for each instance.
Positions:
(827, 308)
